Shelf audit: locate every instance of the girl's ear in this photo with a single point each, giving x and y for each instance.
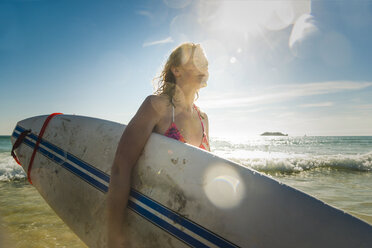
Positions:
(176, 71)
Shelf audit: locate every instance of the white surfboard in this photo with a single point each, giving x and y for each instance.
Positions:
(181, 196)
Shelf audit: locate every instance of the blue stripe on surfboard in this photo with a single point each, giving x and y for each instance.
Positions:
(202, 232)
(193, 227)
(165, 225)
(69, 156)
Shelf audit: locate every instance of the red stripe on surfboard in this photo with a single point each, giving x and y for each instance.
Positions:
(46, 122)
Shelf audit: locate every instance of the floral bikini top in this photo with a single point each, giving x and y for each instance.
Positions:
(174, 133)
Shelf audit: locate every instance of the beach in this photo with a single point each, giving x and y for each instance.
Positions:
(334, 169)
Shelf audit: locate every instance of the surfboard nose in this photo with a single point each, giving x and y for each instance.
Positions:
(21, 139)
(18, 138)
(24, 131)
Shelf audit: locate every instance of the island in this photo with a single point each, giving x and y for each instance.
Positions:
(273, 134)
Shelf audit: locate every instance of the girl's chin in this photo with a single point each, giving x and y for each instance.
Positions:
(203, 84)
(198, 84)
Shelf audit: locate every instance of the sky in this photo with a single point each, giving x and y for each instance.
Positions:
(297, 67)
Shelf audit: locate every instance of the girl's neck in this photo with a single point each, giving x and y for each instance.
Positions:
(184, 98)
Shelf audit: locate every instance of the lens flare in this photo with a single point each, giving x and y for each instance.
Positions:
(223, 186)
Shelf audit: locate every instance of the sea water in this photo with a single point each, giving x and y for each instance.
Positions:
(26, 220)
(336, 170)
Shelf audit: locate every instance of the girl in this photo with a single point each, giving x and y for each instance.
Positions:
(171, 112)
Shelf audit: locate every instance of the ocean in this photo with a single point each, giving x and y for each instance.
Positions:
(334, 169)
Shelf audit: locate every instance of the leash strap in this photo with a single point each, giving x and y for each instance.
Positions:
(46, 122)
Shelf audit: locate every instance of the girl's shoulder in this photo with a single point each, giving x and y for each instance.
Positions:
(159, 102)
(159, 99)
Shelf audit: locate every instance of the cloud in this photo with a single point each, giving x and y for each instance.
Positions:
(144, 13)
(280, 93)
(364, 106)
(311, 38)
(158, 42)
(177, 4)
(304, 36)
(320, 104)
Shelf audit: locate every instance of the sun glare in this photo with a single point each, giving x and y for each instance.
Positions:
(253, 16)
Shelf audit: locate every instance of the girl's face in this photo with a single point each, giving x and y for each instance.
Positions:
(195, 71)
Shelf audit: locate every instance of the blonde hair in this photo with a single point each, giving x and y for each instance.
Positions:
(166, 80)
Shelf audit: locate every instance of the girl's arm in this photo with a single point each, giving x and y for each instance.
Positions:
(128, 151)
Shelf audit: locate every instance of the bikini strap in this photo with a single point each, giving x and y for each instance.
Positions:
(199, 117)
(172, 113)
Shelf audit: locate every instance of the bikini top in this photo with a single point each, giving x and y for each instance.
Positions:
(174, 133)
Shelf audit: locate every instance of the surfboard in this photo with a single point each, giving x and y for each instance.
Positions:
(181, 196)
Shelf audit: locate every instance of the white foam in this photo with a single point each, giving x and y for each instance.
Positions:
(9, 169)
(288, 163)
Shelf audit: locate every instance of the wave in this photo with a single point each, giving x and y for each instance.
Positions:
(287, 163)
(9, 169)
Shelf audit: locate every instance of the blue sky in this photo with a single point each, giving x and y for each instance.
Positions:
(299, 67)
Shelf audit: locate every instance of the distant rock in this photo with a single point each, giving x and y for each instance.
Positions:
(273, 134)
